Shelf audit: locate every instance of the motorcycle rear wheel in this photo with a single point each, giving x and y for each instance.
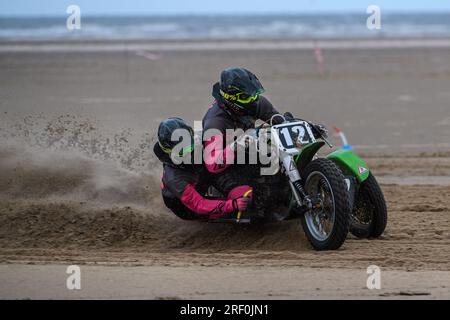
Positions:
(324, 181)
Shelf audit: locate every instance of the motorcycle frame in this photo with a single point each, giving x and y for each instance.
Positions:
(294, 161)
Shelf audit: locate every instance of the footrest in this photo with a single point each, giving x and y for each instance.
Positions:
(234, 220)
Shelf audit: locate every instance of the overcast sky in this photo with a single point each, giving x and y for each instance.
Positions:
(149, 7)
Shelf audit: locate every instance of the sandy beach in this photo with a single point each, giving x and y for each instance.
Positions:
(80, 185)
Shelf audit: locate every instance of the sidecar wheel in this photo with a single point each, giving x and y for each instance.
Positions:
(369, 216)
(327, 226)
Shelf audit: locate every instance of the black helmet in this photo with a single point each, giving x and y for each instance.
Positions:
(165, 130)
(240, 90)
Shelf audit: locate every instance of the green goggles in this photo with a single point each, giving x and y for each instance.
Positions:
(186, 150)
(245, 98)
(240, 97)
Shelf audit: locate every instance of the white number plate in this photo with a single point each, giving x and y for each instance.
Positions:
(293, 135)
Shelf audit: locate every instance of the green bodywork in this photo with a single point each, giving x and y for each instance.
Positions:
(346, 160)
(350, 164)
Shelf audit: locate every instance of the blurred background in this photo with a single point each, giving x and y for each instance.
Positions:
(130, 64)
(203, 19)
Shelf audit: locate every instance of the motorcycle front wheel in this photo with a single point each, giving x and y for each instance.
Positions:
(326, 225)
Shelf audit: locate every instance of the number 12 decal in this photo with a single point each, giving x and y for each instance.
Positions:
(294, 132)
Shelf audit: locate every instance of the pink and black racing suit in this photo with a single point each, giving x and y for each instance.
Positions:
(182, 189)
(218, 163)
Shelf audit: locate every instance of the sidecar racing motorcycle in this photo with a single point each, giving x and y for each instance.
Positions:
(331, 195)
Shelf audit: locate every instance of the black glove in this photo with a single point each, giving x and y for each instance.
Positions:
(288, 116)
(319, 131)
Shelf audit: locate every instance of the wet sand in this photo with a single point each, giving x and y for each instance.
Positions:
(79, 185)
(242, 282)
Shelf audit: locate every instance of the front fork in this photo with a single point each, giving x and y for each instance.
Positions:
(295, 182)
